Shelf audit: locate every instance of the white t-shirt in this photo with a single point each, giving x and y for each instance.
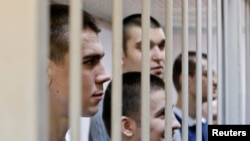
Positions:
(84, 126)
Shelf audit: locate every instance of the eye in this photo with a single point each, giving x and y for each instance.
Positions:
(91, 62)
(138, 46)
(161, 114)
(162, 46)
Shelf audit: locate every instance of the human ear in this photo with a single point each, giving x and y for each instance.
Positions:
(127, 126)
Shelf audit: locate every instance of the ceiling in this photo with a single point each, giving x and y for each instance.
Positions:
(103, 9)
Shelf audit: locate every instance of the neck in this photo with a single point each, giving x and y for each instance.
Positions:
(191, 104)
(58, 126)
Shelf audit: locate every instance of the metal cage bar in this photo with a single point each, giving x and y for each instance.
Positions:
(117, 83)
(75, 43)
(198, 69)
(168, 69)
(145, 89)
(219, 60)
(185, 69)
(210, 63)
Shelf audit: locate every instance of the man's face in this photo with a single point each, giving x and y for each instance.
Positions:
(132, 60)
(204, 82)
(93, 73)
(157, 119)
(157, 116)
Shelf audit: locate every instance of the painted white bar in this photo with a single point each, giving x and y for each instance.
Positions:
(42, 33)
(23, 75)
(209, 60)
(225, 75)
(75, 68)
(247, 33)
(145, 89)
(168, 68)
(185, 70)
(246, 17)
(232, 65)
(242, 58)
(117, 70)
(219, 63)
(198, 70)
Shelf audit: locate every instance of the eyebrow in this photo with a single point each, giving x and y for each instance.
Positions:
(159, 112)
(162, 41)
(93, 55)
(162, 110)
(151, 42)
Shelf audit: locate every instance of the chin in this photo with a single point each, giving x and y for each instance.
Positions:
(160, 75)
(90, 112)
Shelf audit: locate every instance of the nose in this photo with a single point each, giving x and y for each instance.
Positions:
(103, 75)
(175, 123)
(157, 54)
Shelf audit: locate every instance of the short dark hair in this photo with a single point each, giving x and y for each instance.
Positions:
(135, 20)
(177, 67)
(131, 97)
(59, 30)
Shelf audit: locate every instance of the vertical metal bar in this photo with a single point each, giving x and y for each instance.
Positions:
(169, 71)
(209, 60)
(242, 60)
(145, 89)
(198, 70)
(24, 108)
(185, 69)
(232, 65)
(42, 43)
(219, 62)
(247, 32)
(75, 68)
(117, 70)
(225, 40)
(247, 23)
